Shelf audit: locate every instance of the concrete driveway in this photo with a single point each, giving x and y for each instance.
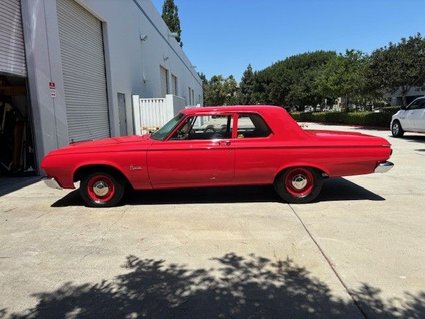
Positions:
(358, 252)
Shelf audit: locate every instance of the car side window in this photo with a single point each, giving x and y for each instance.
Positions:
(205, 128)
(418, 104)
(251, 126)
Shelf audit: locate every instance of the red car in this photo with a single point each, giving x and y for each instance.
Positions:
(217, 146)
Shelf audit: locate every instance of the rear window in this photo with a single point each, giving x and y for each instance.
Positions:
(252, 126)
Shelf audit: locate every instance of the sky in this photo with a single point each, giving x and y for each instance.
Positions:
(224, 36)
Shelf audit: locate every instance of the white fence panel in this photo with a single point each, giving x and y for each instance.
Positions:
(151, 114)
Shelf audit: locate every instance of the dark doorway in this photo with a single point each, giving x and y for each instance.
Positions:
(16, 138)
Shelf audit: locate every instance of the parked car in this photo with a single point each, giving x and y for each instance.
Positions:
(217, 146)
(409, 119)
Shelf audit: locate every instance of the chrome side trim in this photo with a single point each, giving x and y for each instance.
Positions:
(51, 182)
(384, 167)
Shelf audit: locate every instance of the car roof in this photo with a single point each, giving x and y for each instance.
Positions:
(230, 109)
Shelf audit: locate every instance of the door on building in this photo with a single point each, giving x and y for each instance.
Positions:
(84, 75)
(122, 114)
(16, 138)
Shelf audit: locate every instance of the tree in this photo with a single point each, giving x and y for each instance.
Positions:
(221, 91)
(247, 86)
(292, 82)
(399, 66)
(170, 15)
(343, 76)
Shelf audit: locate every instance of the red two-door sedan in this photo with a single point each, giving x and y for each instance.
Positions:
(217, 146)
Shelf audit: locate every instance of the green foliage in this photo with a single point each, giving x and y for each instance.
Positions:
(343, 76)
(399, 66)
(382, 119)
(220, 91)
(247, 87)
(293, 80)
(170, 15)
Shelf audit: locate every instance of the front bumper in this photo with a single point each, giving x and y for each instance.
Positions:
(51, 182)
(384, 167)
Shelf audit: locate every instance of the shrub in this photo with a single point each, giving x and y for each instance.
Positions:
(381, 119)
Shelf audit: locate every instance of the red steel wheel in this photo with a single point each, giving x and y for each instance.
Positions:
(298, 184)
(101, 189)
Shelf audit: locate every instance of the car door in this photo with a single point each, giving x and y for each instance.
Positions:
(418, 118)
(198, 153)
(408, 118)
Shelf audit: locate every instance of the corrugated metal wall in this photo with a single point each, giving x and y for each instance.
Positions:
(12, 51)
(83, 64)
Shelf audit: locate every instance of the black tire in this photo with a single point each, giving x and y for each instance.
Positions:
(102, 189)
(298, 185)
(396, 129)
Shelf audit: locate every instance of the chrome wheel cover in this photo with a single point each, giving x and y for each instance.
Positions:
(299, 182)
(100, 188)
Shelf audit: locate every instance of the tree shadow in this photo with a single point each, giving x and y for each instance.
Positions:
(334, 189)
(240, 287)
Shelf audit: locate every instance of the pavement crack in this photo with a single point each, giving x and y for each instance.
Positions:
(329, 262)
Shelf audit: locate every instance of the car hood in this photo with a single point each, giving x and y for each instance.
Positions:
(113, 144)
(347, 138)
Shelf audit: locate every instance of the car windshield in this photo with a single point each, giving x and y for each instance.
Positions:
(163, 132)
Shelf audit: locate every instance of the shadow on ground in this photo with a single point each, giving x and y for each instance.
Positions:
(335, 189)
(239, 287)
(12, 184)
(413, 138)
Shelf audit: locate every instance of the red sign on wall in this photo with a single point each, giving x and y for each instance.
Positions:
(52, 88)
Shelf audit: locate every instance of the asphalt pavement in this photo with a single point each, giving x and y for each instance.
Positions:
(356, 252)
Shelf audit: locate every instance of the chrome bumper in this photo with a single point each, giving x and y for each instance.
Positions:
(384, 167)
(51, 182)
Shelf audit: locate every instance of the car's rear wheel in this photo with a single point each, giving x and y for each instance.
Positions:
(396, 129)
(102, 189)
(298, 184)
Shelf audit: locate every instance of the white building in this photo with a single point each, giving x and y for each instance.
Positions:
(69, 68)
(396, 99)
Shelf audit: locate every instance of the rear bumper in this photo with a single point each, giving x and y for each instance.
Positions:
(384, 167)
(51, 182)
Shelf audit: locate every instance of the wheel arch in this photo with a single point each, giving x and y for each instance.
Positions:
(86, 169)
(322, 170)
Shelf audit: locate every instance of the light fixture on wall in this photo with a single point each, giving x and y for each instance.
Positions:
(165, 58)
(143, 37)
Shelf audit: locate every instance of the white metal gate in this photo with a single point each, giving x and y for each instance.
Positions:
(83, 64)
(151, 114)
(12, 51)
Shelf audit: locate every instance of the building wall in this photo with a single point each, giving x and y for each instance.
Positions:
(136, 43)
(395, 98)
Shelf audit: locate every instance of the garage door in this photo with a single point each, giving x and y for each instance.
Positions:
(12, 52)
(83, 64)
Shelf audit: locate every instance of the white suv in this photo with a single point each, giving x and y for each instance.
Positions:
(410, 118)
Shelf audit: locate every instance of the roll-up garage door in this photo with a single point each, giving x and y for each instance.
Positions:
(83, 64)
(12, 52)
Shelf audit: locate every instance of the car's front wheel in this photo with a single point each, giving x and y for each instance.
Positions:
(396, 129)
(102, 189)
(298, 184)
